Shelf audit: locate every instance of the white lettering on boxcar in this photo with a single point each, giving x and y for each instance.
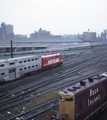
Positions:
(93, 93)
(92, 101)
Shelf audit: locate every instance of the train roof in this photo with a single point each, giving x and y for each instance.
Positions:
(18, 58)
(83, 85)
(50, 55)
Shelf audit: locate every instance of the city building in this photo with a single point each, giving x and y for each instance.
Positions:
(18, 36)
(41, 34)
(2, 33)
(104, 35)
(8, 30)
(89, 36)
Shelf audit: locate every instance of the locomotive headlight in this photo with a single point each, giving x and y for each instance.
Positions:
(66, 112)
(62, 98)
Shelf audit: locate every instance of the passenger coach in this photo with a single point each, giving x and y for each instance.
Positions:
(13, 68)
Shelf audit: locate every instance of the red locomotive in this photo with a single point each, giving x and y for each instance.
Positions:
(82, 100)
(51, 60)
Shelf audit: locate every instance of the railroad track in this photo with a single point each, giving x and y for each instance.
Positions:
(25, 95)
(41, 108)
(67, 73)
(74, 62)
(33, 113)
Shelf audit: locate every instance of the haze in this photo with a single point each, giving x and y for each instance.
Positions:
(57, 16)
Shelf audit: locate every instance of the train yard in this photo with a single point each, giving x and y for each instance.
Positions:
(33, 87)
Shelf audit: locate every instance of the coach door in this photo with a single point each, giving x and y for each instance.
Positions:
(12, 74)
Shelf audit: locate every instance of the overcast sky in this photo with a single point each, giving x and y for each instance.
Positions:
(57, 16)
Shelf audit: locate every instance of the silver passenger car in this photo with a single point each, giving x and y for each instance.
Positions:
(13, 68)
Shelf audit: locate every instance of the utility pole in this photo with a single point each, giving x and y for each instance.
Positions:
(11, 50)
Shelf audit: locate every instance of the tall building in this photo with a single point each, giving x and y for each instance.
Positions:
(104, 35)
(89, 36)
(2, 33)
(8, 30)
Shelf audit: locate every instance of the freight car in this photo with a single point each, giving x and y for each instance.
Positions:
(14, 68)
(83, 100)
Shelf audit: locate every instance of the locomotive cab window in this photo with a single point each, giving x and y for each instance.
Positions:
(69, 99)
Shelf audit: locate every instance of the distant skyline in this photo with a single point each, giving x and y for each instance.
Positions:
(57, 16)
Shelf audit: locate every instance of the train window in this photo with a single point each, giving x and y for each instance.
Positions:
(20, 61)
(2, 65)
(24, 60)
(36, 65)
(12, 63)
(2, 73)
(28, 60)
(36, 58)
(32, 59)
(69, 99)
(32, 66)
(25, 68)
(20, 69)
(29, 67)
